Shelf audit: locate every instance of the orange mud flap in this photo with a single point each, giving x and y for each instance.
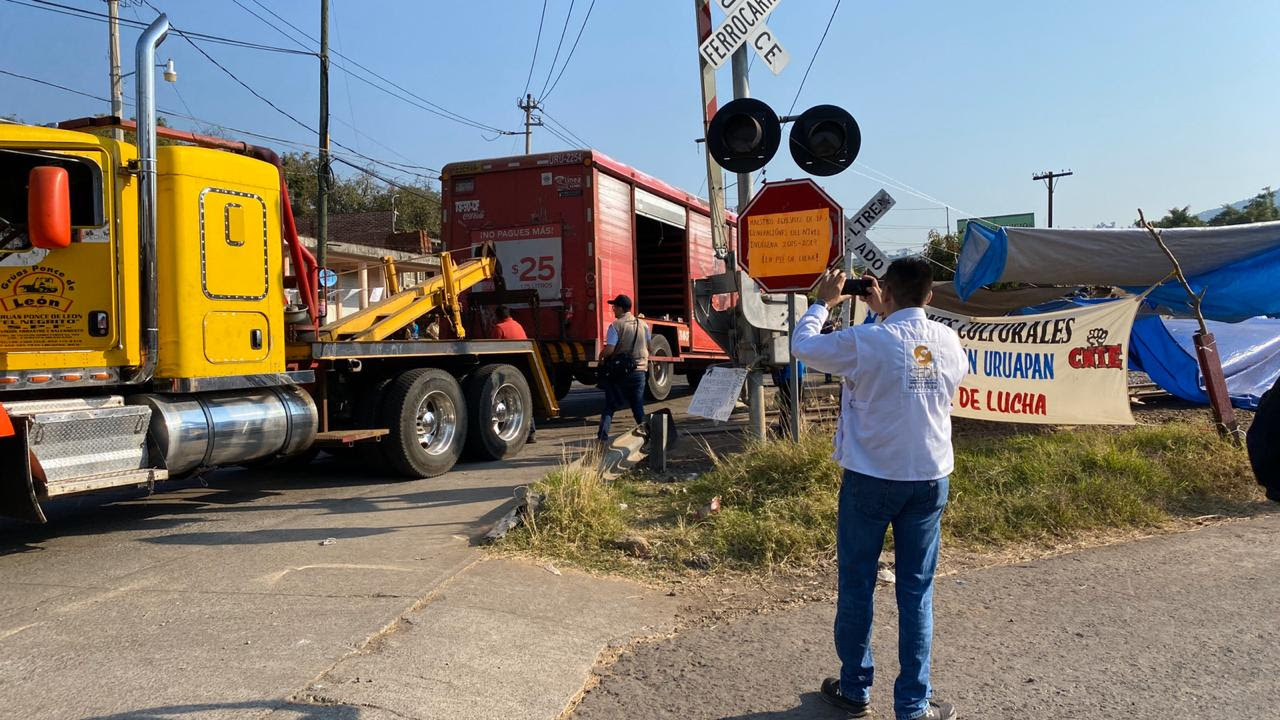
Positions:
(17, 488)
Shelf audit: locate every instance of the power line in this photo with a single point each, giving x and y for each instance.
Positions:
(536, 43)
(167, 112)
(814, 56)
(269, 24)
(83, 14)
(562, 126)
(567, 17)
(433, 107)
(575, 47)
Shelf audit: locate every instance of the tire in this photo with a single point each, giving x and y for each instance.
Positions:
(427, 416)
(586, 375)
(367, 414)
(500, 407)
(694, 376)
(658, 383)
(561, 381)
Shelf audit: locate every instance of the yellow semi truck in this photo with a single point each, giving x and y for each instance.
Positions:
(152, 327)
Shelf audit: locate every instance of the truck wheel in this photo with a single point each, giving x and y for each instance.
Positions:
(501, 410)
(561, 381)
(586, 375)
(367, 414)
(694, 376)
(428, 421)
(658, 386)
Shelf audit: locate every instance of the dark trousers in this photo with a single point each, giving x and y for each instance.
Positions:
(628, 392)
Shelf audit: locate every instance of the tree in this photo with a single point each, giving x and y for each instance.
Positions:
(1177, 217)
(1262, 208)
(417, 204)
(942, 252)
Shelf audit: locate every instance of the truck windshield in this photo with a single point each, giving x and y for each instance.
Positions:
(85, 180)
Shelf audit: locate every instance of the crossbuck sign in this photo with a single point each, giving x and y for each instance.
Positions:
(744, 23)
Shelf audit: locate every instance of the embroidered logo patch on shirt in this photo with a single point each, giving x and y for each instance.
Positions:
(922, 370)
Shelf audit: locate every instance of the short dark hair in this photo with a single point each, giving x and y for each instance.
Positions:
(502, 312)
(909, 280)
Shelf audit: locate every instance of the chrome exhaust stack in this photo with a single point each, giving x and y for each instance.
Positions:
(145, 58)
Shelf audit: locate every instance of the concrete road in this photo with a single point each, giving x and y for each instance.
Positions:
(1180, 626)
(322, 594)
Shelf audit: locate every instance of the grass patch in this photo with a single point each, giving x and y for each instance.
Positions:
(779, 499)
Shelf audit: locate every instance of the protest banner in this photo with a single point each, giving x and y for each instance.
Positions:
(1069, 367)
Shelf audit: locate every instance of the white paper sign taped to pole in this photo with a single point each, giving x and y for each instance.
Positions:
(717, 393)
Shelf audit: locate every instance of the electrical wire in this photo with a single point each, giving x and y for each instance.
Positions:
(536, 43)
(271, 25)
(567, 17)
(569, 58)
(83, 14)
(578, 138)
(399, 167)
(431, 106)
(814, 56)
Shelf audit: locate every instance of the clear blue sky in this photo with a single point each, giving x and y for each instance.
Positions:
(1151, 103)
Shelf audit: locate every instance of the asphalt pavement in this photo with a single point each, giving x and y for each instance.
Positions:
(328, 593)
(1177, 626)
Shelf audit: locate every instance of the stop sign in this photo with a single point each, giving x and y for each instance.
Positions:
(789, 234)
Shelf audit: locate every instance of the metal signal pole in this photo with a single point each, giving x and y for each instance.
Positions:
(117, 87)
(1050, 180)
(528, 106)
(322, 172)
(755, 376)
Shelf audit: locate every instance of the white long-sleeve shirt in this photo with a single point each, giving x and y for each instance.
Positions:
(898, 379)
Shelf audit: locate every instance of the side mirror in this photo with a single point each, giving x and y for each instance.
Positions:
(49, 207)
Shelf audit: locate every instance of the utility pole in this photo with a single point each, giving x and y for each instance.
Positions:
(1050, 180)
(528, 105)
(117, 87)
(322, 199)
(755, 376)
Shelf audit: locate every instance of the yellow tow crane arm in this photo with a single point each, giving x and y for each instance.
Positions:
(386, 317)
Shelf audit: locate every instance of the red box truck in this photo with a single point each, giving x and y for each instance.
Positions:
(574, 229)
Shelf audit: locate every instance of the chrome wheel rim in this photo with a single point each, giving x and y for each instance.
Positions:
(660, 372)
(436, 422)
(507, 416)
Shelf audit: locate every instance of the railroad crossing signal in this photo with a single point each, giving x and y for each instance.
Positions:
(744, 23)
(744, 136)
(791, 232)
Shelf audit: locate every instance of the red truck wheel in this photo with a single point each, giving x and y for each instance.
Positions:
(658, 386)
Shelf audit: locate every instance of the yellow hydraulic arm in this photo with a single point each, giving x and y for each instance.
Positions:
(383, 319)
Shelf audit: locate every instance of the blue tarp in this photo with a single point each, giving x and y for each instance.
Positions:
(1163, 348)
(1235, 266)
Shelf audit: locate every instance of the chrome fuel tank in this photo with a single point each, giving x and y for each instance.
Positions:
(226, 428)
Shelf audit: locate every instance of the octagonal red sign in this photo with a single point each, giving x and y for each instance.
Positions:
(789, 234)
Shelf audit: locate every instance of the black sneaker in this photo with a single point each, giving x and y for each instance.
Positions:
(855, 708)
(939, 711)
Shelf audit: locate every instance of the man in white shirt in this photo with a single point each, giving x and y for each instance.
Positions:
(893, 441)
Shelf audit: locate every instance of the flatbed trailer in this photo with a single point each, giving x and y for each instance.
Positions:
(159, 317)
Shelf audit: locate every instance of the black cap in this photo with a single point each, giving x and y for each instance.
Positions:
(621, 301)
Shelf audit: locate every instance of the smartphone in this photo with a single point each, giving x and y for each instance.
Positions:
(860, 287)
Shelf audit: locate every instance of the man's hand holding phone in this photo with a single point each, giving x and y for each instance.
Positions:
(834, 287)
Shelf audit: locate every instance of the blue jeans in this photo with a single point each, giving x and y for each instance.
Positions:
(628, 392)
(868, 506)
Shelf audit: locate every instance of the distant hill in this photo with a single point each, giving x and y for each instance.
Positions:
(1208, 215)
